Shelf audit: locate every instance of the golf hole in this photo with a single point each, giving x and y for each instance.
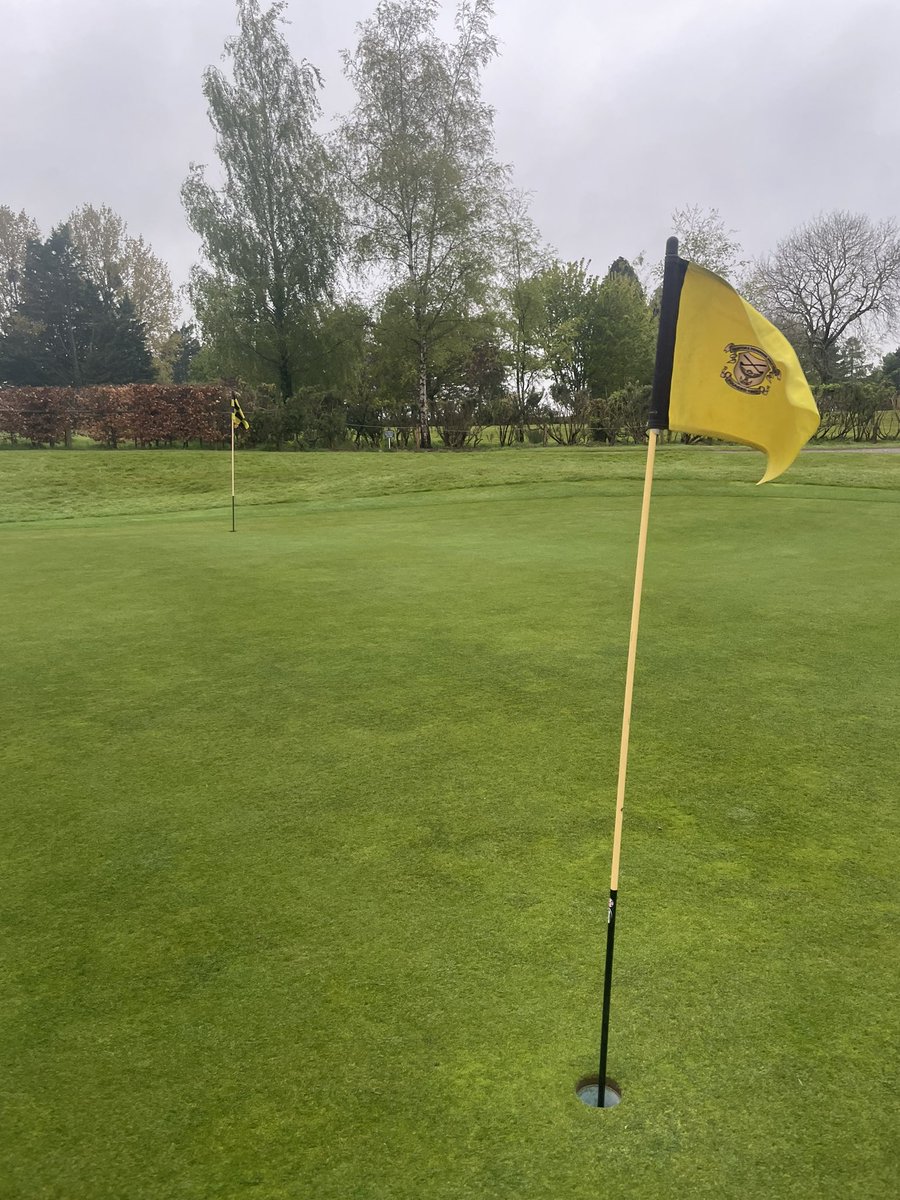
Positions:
(586, 1090)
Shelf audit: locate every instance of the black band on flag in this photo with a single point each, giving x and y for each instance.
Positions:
(673, 278)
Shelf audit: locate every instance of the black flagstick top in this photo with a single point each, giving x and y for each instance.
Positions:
(673, 277)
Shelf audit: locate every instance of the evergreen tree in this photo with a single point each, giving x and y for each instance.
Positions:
(623, 335)
(623, 269)
(120, 353)
(51, 333)
(890, 365)
(62, 332)
(187, 351)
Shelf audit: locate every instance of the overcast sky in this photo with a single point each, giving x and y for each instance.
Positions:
(611, 112)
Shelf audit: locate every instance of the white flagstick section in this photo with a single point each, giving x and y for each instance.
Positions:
(632, 658)
(232, 469)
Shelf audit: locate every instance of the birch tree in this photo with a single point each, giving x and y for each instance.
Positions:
(521, 260)
(418, 154)
(271, 233)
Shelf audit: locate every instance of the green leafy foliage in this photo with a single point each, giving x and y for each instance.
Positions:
(624, 336)
(310, 419)
(271, 233)
(623, 415)
(890, 366)
(420, 171)
(856, 410)
(596, 336)
(177, 354)
(569, 325)
(124, 267)
(467, 387)
(520, 316)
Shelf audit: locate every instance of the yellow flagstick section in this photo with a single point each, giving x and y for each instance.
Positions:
(632, 658)
(606, 1094)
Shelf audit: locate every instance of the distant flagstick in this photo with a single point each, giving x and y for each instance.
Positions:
(662, 379)
(232, 464)
(238, 420)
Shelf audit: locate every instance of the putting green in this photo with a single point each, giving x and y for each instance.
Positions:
(307, 827)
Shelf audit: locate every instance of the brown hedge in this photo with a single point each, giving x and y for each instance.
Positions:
(144, 413)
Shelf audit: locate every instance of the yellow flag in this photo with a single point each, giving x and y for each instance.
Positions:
(735, 376)
(238, 420)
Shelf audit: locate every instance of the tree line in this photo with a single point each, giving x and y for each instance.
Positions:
(387, 275)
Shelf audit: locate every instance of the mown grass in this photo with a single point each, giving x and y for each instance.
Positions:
(307, 827)
(37, 485)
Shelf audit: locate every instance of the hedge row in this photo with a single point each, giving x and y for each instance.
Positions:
(145, 413)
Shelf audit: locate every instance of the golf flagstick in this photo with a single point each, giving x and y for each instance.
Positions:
(724, 346)
(232, 464)
(623, 766)
(659, 406)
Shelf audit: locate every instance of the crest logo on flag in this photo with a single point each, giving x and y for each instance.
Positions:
(749, 369)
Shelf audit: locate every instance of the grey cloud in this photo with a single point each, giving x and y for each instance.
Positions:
(611, 115)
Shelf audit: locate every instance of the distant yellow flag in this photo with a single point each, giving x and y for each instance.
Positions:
(238, 420)
(735, 376)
